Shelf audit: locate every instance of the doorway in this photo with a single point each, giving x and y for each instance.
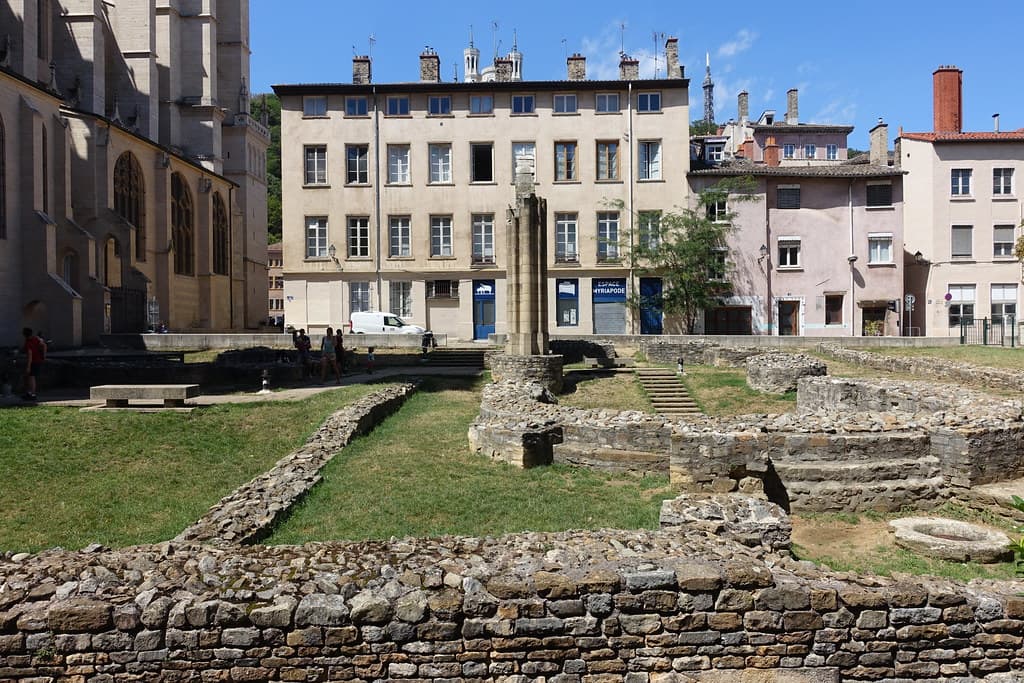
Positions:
(789, 318)
(650, 305)
(483, 308)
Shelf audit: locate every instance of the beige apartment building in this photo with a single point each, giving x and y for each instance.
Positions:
(132, 175)
(963, 215)
(275, 283)
(395, 195)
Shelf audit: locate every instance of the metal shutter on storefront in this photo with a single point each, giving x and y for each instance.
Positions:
(610, 317)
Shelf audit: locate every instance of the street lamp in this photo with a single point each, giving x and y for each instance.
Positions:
(763, 251)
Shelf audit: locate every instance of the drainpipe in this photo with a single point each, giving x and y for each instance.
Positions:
(231, 257)
(768, 260)
(376, 197)
(632, 271)
(853, 259)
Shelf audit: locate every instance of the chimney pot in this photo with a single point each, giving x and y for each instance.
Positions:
(629, 68)
(995, 122)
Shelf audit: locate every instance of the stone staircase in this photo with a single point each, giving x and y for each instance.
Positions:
(667, 393)
(457, 358)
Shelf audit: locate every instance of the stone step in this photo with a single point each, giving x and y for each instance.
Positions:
(887, 496)
(863, 471)
(667, 394)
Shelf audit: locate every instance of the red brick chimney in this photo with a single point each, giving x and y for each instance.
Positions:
(748, 149)
(771, 152)
(948, 107)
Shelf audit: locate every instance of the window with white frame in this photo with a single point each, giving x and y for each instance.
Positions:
(398, 105)
(441, 236)
(960, 182)
(359, 296)
(522, 104)
(648, 102)
(525, 151)
(481, 104)
(1002, 182)
(879, 194)
(606, 102)
(400, 236)
(481, 155)
(400, 298)
(483, 238)
(962, 242)
(316, 236)
(789, 252)
(718, 210)
(607, 236)
(717, 264)
(565, 104)
(1004, 303)
(650, 159)
(440, 163)
(961, 304)
(316, 165)
(357, 168)
(567, 302)
(398, 164)
(355, 106)
(565, 238)
(314, 105)
(565, 161)
(358, 237)
(607, 159)
(439, 105)
(1002, 241)
(649, 229)
(832, 154)
(880, 247)
(788, 151)
(810, 151)
(715, 151)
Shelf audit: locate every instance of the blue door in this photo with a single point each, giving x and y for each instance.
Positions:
(650, 305)
(483, 308)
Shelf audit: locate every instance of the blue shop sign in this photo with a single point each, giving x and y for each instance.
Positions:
(606, 290)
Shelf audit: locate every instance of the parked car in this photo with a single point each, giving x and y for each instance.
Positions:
(378, 322)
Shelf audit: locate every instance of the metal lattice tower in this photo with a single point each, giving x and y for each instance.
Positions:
(709, 92)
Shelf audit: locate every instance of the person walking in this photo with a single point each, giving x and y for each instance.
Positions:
(328, 356)
(339, 350)
(303, 346)
(35, 353)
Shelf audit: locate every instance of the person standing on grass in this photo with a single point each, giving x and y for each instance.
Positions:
(35, 352)
(303, 346)
(339, 350)
(328, 356)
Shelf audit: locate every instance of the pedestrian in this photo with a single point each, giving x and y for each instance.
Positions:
(328, 356)
(35, 355)
(369, 359)
(339, 350)
(303, 345)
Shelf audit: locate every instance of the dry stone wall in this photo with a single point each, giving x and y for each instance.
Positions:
(929, 367)
(777, 373)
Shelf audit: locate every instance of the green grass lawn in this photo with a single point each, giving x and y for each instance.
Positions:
(415, 476)
(119, 478)
(991, 356)
(609, 390)
(723, 392)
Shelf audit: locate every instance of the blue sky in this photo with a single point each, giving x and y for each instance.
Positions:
(853, 61)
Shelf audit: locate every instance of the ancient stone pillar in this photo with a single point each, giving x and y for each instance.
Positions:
(527, 269)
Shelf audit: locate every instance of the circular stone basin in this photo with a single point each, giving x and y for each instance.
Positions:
(951, 540)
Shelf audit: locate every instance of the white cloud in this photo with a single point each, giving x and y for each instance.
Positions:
(839, 111)
(603, 55)
(742, 42)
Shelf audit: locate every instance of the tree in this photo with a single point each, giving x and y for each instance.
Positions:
(702, 127)
(687, 249)
(270, 105)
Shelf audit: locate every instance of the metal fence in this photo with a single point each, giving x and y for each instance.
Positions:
(996, 331)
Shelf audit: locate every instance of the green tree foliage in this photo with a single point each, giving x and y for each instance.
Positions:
(269, 103)
(702, 127)
(687, 250)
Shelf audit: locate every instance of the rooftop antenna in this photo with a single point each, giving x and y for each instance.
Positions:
(659, 38)
(622, 37)
(372, 41)
(471, 35)
(455, 72)
(515, 40)
(494, 37)
(565, 49)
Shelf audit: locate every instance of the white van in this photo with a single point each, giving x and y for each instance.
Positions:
(377, 322)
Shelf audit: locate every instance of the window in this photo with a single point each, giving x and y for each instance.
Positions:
(810, 151)
(789, 252)
(355, 106)
(565, 238)
(358, 237)
(787, 197)
(567, 303)
(316, 237)
(607, 102)
(3, 184)
(526, 151)
(481, 104)
(608, 160)
(715, 151)
(961, 305)
(962, 241)
(314, 105)
(482, 162)
(182, 226)
(832, 154)
(45, 157)
(648, 102)
(565, 161)
(316, 165)
(1002, 181)
(879, 247)
(400, 299)
(833, 309)
(357, 170)
(608, 236)
(398, 164)
(359, 297)
(442, 289)
(650, 159)
(565, 104)
(522, 104)
(717, 264)
(400, 237)
(398, 105)
(960, 181)
(221, 237)
(718, 210)
(1002, 241)
(440, 235)
(130, 198)
(440, 163)
(879, 194)
(788, 151)
(649, 229)
(1004, 303)
(483, 238)
(439, 105)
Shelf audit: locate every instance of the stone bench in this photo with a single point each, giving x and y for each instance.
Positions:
(118, 395)
(608, 362)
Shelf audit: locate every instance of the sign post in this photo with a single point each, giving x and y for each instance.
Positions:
(909, 299)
